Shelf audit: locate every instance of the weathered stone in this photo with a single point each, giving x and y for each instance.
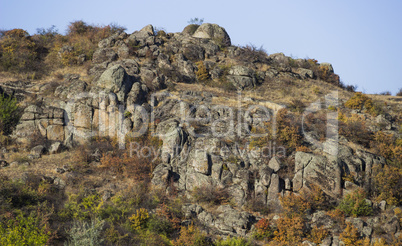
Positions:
(38, 151)
(116, 80)
(238, 194)
(392, 226)
(172, 135)
(367, 231)
(382, 205)
(231, 220)
(83, 116)
(3, 163)
(321, 219)
(55, 132)
(104, 55)
(191, 210)
(242, 82)
(274, 187)
(275, 164)
(200, 162)
(60, 170)
(60, 183)
(55, 148)
(144, 33)
(308, 243)
(305, 73)
(288, 184)
(265, 176)
(199, 180)
(214, 32)
(317, 170)
(69, 91)
(190, 29)
(327, 66)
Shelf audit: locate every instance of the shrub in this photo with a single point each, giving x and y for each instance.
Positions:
(81, 207)
(83, 233)
(138, 168)
(358, 101)
(290, 231)
(25, 230)
(18, 52)
(210, 194)
(196, 21)
(296, 105)
(18, 194)
(351, 236)
(250, 53)
(139, 220)
(263, 230)
(355, 204)
(318, 234)
(294, 205)
(191, 236)
(202, 72)
(325, 74)
(399, 93)
(9, 113)
(387, 184)
(354, 129)
(389, 147)
(232, 241)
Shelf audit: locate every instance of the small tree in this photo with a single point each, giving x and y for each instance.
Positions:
(9, 113)
(196, 21)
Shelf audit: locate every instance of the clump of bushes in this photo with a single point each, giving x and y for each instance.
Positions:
(32, 229)
(202, 72)
(9, 113)
(250, 53)
(211, 194)
(387, 184)
(351, 236)
(84, 233)
(354, 129)
(191, 236)
(399, 93)
(18, 52)
(388, 146)
(355, 204)
(362, 102)
(263, 230)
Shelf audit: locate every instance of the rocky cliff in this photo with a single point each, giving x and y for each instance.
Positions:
(229, 121)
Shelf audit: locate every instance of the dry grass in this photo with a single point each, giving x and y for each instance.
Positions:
(275, 93)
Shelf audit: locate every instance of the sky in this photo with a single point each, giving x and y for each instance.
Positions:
(361, 39)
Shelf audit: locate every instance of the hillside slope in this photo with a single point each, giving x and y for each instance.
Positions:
(182, 138)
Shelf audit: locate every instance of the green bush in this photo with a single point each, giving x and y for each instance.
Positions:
(355, 204)
(232, 241)
(9, 113)
(16, 194)
(83, 233)
(82, 208)
(24, 230)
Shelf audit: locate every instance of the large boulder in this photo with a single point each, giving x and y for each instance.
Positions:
(173, 137)
(116, 80)
(242, 77)
(145, 32)
(213, 31)
(324, 172)
(104, 55)
(231, 221)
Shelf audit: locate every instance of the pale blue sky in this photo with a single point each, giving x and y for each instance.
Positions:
(362, 39)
